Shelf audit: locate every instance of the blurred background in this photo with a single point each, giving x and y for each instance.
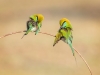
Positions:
(34, 54)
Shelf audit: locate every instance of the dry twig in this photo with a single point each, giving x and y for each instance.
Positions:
(53, 36)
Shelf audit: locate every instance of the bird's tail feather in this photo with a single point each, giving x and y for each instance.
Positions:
(73, 52)
(22, 36)
(26, 32)
(71, 48)
(70, 44)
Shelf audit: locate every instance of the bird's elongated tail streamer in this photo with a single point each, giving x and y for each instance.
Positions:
(53, 36)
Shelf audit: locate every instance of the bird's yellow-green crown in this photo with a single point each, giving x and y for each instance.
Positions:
(68, 24)
(37, 17)
(63, 20)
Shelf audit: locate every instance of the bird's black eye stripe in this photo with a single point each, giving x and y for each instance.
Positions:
(37, 18)
(63, 22)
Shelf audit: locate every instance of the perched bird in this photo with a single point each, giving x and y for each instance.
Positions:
(65, 33)
(34, 24)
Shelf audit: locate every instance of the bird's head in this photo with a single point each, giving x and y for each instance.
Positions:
(37, 17)
(40, 18)
(64, 23)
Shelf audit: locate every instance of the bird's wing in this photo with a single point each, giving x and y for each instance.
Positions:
(38, 28)
(57, 38)
(67, 38)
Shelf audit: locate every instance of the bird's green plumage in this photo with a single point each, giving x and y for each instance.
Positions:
(65, 34)
(34, 17)
(39, 26)
(34, 23)
(29, 30)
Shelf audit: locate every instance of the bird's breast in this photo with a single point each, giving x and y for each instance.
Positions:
(33, 29)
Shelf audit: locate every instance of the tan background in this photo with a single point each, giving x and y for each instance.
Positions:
(35, 55)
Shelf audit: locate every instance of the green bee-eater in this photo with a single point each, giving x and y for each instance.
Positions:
(34, 24)
(65, 33)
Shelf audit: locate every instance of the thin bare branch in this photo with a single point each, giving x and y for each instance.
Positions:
(83, 60)
(53, 36)
(21, 32)
(10, 34)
